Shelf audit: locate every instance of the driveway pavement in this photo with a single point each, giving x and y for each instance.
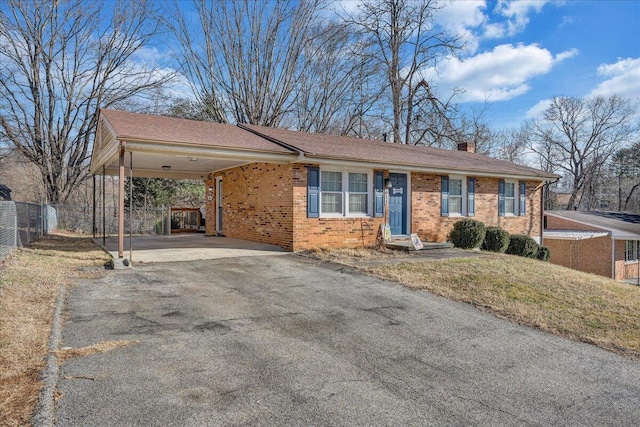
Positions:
(280, 341)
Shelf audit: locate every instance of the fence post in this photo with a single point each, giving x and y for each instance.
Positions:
(168, 230)
(15, 226)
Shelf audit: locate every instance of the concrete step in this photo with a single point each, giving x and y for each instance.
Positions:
(406, 245)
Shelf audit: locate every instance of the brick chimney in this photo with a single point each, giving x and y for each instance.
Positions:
(467, 146)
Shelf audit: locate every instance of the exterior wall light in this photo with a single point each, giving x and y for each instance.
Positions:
(166, 168)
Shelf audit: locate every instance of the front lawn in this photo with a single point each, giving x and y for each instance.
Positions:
(29, 282)
(555, 299)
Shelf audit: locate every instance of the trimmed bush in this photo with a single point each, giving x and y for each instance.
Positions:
(522, 245)
(467, 234)
(495, 240)
(543, 253)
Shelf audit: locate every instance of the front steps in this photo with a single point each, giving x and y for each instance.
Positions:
(404, 243)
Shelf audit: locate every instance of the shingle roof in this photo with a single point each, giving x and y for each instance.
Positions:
(145, 127)
(621, 224)
(357, 149)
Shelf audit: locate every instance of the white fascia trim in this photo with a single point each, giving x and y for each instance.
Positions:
(106, 157)
(409, 169)
(208, 152)
(152, 173)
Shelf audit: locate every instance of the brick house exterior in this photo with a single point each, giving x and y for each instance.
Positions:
(300, 190)
(603, 243)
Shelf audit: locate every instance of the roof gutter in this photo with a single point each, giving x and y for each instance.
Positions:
(418, 168)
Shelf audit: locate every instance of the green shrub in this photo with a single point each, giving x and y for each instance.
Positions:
(467, 233)
(543, 253)
(522, 245)
(495, 240)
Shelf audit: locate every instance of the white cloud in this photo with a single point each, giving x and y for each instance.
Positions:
(622, 77)
(538, 110)
(471, 21)
(517, 13)
(567, 54)
(497, 75)
(462, 18)
(151, 55)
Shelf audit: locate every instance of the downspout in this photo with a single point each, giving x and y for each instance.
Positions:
(541, 186)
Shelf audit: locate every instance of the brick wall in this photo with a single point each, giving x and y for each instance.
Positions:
(268, 203)
(257, 203)
(327, 232)
(427, 222)
(588, 255)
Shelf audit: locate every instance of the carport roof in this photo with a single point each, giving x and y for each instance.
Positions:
(145, 127)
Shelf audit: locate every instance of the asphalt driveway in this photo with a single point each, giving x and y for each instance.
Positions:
(276, 341)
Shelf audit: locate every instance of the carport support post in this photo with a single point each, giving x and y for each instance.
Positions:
(94, 205)
(123, 146)
(104, 211)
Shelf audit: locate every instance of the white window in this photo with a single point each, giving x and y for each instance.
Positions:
(455, 196)
(344, 193)
(358, 193)
(331, 192)
(632, 250)
(509, 198)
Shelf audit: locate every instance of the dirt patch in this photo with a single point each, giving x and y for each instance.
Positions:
(68, 353)
(350, 255)
(29, 281)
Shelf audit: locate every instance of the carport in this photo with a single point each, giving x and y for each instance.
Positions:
(133, 145)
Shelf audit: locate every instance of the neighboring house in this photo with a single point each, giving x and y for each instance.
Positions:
(604, 243)
(301, 190)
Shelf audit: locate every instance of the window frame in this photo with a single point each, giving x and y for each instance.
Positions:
(515, 197)
(345, 193)
(635, 250)
(464, 196)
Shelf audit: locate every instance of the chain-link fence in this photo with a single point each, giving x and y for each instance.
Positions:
(79, 219)
(20, 224)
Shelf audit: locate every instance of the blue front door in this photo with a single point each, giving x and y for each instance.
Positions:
(398, 203)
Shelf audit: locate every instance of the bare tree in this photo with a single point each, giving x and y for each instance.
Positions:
(403, 37)
(510, 144)
(339, 90)
(60, 62)
(578, 137)
(248, 55)
(625, 165)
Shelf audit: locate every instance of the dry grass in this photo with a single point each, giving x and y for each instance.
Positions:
(29, 281)
(350, 255)
(68, 353)
(566, 302)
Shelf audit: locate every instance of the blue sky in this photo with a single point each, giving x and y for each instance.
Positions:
(523, 53)
(519, 54)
